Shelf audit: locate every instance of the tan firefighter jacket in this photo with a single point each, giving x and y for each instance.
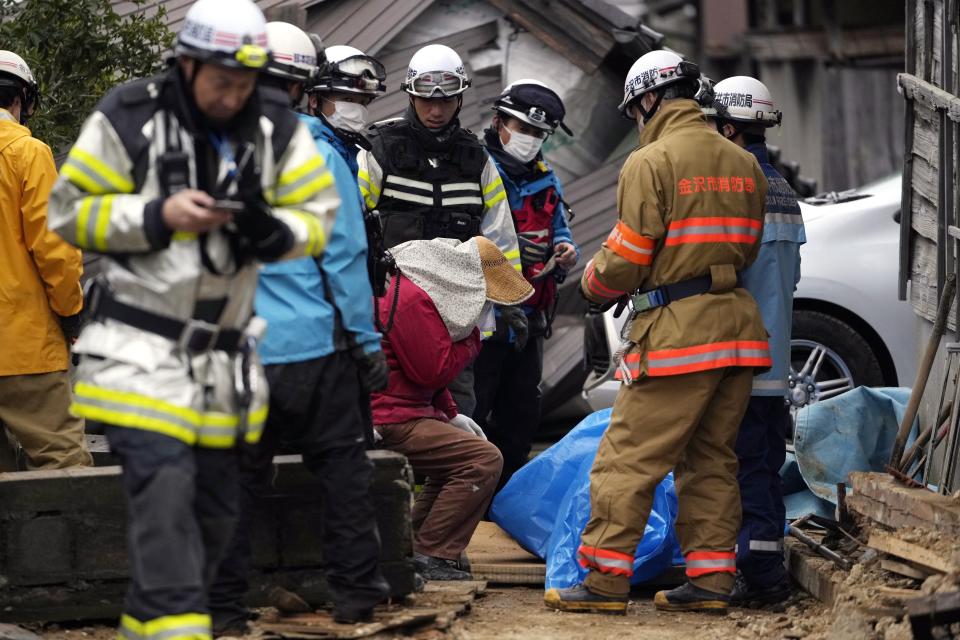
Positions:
(690, 204)
(107, 199)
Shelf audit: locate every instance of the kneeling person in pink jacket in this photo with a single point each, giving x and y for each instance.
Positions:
(444, 293)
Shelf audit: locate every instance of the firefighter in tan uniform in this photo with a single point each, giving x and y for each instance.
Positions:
(691, 208)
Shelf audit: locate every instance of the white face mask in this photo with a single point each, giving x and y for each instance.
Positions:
(348, 115)
(522, 147)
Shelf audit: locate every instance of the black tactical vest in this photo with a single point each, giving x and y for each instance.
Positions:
(428, 193)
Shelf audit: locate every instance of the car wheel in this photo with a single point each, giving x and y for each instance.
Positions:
(827, 358)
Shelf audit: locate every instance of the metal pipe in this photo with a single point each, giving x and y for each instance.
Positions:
(829, 554)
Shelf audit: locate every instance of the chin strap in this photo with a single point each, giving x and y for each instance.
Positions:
(653, 110)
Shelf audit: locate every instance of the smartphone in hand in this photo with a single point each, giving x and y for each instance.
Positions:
(233, 206)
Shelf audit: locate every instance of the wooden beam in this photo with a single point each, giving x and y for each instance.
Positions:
(905, 568)
(818, 576)
(815, 45)
(929, 95)
(915, 553)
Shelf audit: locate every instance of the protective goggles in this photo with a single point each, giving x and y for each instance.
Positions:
(436, 84)
(356, 73)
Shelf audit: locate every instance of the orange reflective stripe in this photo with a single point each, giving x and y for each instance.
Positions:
(734, 353)
(597, 288)
(605, 561)
(632, 361)
(630, 245)
(713, 229)
(703, 562)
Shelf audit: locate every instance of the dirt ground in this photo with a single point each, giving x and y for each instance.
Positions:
(515, 613)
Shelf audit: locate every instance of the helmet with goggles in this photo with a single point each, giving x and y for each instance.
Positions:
(657, 71)
(436, 71)
(14, 73)
(229, 33)
(534, 103)
(292, 54)
(349, 70)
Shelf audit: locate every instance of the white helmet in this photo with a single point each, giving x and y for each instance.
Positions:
(744, 99)
(14, 72)
(351, 71)
(292, 54)
(231, 33)
(656, 70)
(436, 71)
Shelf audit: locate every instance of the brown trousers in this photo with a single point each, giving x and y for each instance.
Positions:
(687, 423)
(461, 476)
(35, 411)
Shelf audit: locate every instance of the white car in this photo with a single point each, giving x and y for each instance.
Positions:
(849, 328)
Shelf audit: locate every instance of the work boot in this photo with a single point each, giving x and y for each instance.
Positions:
(346, 614)
(581, 600)
(689, 597)
(745, 595)
(432, 568)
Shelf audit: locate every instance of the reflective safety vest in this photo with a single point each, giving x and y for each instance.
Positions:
(108, 199)
(428, 193)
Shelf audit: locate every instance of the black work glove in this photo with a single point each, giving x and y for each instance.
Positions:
(516, 319)
(372, 368)
(70, 325)
(268, 236)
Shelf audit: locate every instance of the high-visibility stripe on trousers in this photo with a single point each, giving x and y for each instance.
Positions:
(605, 561)
(700, 563)
(184, 626)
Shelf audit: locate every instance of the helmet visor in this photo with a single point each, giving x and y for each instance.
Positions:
(360, 67)
(437, 84)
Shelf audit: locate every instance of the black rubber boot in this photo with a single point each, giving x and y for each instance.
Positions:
(579, 599)
(689, 597)
(745, 595)
(432, 568)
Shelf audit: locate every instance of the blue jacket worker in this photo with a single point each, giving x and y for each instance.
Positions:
(742, 111)
(323, 358)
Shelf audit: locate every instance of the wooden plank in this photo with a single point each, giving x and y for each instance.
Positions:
(510, 572)
(879, 497)
(930, 95)
(905, 568)
(915, 553)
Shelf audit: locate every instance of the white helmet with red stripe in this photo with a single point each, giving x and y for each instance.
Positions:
(744, 99)
(654, 71)
(231, 33)
(293, 55)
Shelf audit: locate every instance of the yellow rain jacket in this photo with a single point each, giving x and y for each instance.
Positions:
(39, 272)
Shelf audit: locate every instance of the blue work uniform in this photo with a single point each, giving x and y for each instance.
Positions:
(761, 442)
(507, 381)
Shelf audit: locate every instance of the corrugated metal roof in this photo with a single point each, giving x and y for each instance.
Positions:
(177, 9)
(367, 25)
(593, 199)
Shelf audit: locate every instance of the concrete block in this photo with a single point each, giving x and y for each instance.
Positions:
(883, 499)
(40, 550)
(63, 539)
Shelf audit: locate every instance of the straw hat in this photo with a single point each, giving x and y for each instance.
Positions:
(505, 285)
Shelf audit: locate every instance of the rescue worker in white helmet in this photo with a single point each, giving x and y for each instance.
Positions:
(429, 178)
(184, 182)
(742, 110)
(690, 220)
(322, 361)
(40, 295)
(508, 370)
(347, 82)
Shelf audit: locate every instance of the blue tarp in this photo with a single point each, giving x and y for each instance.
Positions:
(851, 432)
(546, 505)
